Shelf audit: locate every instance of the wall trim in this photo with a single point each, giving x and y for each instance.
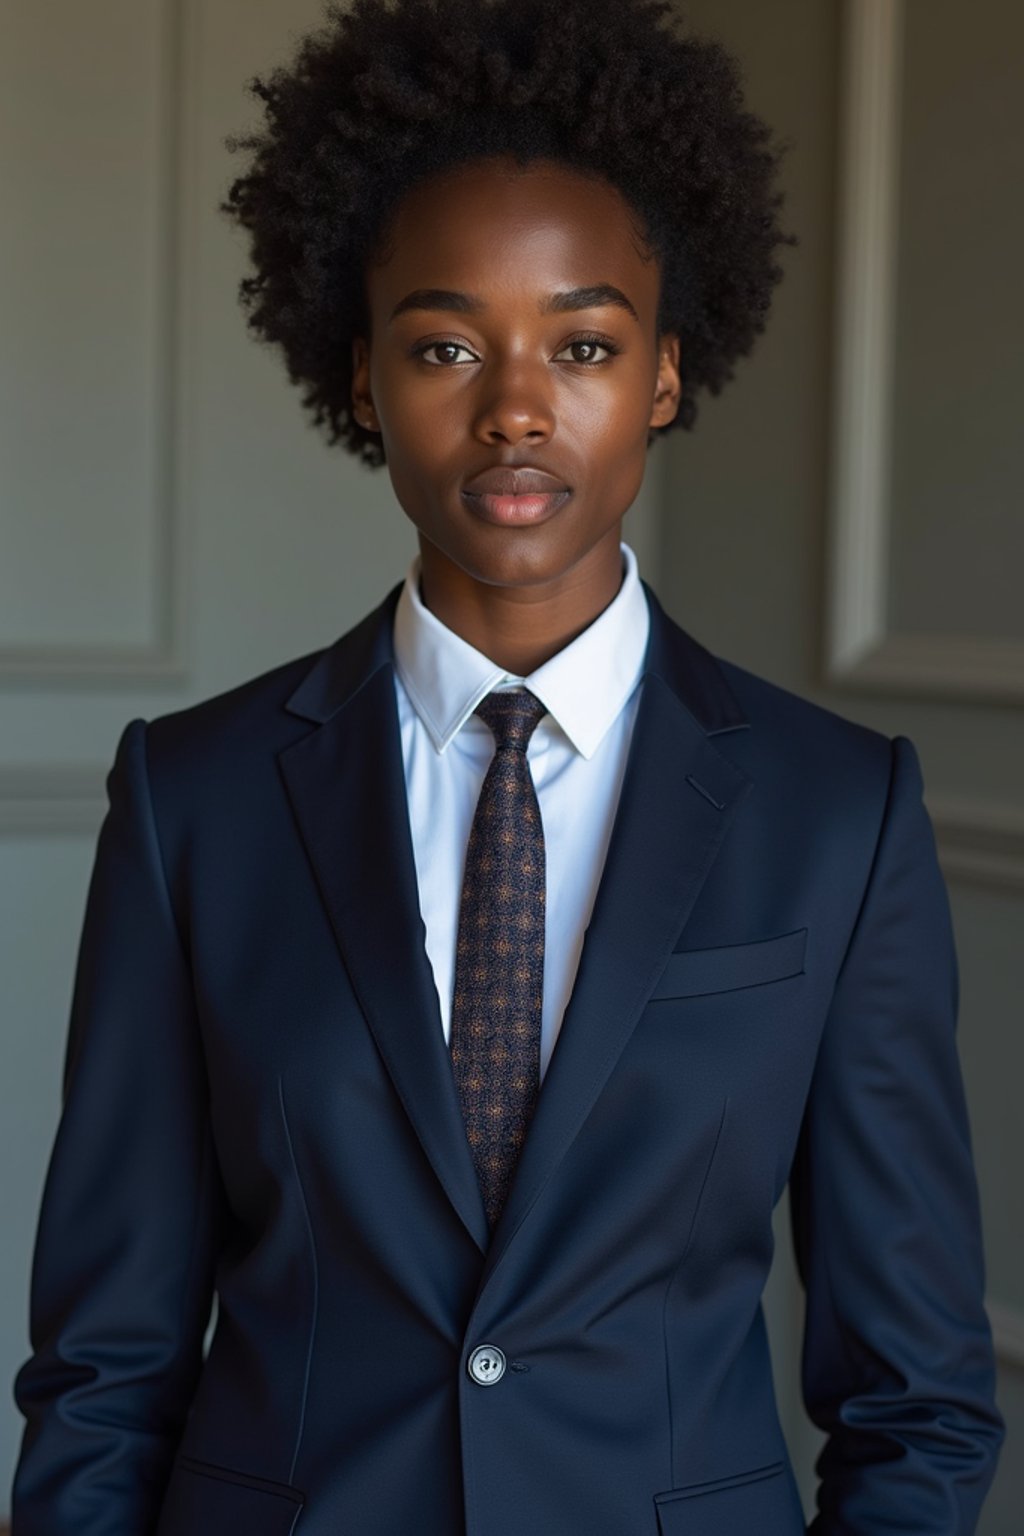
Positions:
(163, 658)
(979, 843)
(52, 800)
(1007, 1333)
(860, 651)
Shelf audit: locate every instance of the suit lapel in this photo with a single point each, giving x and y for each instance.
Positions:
(347, 788)
(679, 795)
(346, 784)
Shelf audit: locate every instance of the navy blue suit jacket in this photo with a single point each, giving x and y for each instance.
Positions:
(258, 1102)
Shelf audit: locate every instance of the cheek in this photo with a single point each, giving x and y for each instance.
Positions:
(610, 437)
(422, 440)
(611, 411)
(412, 404)
(420, 412)
(614, 483)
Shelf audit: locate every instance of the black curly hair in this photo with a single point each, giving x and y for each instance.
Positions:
(385, 95)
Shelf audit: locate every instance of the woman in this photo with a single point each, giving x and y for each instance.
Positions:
(456, 1002)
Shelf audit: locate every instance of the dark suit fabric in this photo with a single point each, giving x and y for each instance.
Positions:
(259, 1100)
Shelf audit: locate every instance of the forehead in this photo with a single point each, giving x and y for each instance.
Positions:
(492, 225)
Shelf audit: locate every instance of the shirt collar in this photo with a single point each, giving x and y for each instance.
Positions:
(583, 686)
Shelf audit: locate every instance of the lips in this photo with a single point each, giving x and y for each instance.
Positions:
(513, 496)
(504, 480)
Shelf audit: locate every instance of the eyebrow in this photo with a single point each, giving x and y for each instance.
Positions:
(595, 297)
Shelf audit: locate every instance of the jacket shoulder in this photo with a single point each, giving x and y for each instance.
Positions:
(769, 704)
(236, 714)
(252, 715)
(797, 745)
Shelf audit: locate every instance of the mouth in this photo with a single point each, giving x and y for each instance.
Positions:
(515, 511)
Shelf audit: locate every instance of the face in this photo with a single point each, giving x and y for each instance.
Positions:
(513, 324)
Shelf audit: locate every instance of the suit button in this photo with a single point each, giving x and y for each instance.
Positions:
(486, 1364)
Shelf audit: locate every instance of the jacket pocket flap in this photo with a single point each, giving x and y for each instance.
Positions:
(203, 1497)
(764, 1500)
(691, 972)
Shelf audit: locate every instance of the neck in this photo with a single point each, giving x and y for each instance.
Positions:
(519, 628)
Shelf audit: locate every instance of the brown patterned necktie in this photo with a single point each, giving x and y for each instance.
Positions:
(499, 961)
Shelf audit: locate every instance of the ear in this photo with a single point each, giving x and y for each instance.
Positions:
(667, 388)
(362, 400)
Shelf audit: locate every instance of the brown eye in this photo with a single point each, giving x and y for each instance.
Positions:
(442, 346)
(590, 343)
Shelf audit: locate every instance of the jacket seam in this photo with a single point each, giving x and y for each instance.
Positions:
(883, 825)
(830, 1290)
(671, 1281)
(316, 1282)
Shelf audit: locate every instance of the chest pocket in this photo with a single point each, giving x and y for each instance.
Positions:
(694, 972)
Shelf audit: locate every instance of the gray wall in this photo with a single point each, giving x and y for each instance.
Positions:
(169, 525)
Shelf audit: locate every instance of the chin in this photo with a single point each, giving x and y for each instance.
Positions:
(516, 560)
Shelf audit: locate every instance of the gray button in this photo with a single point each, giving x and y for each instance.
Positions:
(486, 1364)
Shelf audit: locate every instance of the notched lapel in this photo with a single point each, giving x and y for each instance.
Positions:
(679, 796)
(346, 784)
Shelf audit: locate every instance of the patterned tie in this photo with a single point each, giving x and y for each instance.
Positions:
(499, 961)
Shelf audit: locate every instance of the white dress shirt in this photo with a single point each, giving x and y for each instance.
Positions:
(576, 755)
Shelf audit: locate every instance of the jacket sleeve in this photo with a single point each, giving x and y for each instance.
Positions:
(898, 1366)
(122, 1272)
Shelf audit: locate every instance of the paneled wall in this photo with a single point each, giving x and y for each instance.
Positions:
(846, 517)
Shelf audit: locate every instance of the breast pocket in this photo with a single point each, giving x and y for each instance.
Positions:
(694, 972)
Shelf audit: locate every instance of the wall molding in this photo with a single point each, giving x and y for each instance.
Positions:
(1007, 1334)
(52, 801)
(979, 843)
(860, 651)
(163, 657)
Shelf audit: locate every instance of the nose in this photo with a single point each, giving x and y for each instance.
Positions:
(514, 403)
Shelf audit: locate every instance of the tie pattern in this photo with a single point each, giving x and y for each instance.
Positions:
(499, 960)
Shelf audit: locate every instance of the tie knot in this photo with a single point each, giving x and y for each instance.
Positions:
(511, 714)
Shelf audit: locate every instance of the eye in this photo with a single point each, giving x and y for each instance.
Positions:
(603, 342)
(424, 347)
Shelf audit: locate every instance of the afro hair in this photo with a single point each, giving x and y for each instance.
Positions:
(386, 94)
